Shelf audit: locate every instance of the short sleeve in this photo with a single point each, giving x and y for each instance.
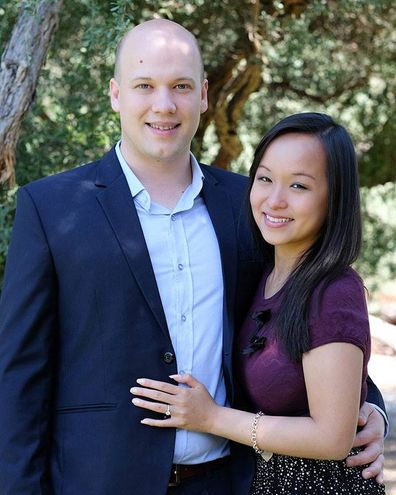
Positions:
(340, 315)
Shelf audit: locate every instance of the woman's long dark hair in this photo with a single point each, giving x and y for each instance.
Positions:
(339, 240)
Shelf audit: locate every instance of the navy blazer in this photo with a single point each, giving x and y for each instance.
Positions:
(81, 319)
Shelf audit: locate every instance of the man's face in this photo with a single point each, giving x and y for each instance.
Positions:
(159, 95)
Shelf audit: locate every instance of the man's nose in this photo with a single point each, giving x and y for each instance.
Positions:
(163, 101)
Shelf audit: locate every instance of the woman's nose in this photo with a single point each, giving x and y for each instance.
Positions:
(277, 198)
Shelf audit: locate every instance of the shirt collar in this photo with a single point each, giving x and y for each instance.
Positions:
(140, 194)
(133, 182)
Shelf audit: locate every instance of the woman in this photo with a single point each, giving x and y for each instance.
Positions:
(302, 353)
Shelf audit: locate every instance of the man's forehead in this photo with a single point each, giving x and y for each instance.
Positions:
(160, 42)
(161, 59)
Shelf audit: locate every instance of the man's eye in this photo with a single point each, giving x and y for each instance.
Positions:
(143, 86)
(182, 86)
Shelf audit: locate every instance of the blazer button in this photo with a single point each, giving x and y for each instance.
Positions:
(169, 357)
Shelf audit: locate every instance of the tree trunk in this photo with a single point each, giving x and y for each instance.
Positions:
(20, 67)
(231, 86)
(228, 113)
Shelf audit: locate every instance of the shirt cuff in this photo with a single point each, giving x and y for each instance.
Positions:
(384, 416)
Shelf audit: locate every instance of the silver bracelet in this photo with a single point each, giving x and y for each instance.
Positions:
(253, 436)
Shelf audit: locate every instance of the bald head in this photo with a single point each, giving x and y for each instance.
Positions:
(157, 31)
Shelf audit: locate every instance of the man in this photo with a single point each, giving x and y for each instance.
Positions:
(136, 265)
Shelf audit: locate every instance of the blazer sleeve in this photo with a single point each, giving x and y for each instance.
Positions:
(374, 397)
(27, 338)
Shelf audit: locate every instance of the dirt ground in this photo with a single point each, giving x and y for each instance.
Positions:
(382, 369)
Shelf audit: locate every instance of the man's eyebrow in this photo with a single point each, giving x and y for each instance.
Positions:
(178, 79)
(141, 78)
(189, 79)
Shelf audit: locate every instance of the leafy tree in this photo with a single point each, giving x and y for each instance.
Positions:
(20, 66)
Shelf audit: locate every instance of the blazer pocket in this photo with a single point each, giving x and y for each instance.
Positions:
(87, 408)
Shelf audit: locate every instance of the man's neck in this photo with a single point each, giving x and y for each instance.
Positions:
(164, 181)
(168, 191)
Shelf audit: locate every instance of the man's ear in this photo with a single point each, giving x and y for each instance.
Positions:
(204, 96)
(114, 95)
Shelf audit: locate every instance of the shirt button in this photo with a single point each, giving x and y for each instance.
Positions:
(183, 317)
(180, 266)
(169, 357)
(173, 218)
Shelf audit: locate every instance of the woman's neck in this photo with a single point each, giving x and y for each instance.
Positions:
(283, 267)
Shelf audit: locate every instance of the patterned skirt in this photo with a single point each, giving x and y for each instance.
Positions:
(284, 475)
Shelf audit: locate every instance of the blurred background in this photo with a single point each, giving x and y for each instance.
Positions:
(263, 59)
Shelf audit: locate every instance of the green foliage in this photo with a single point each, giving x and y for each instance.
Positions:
(8, 15)
(337, 60)
(377, 262)
(379, 163)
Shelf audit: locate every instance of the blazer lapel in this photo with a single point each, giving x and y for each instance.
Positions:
(115, 198)
(220, 209)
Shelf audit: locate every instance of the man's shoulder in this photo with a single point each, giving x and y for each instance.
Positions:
(73, 174)
(83, 174)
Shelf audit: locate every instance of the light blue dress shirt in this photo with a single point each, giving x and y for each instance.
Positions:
(185, 256)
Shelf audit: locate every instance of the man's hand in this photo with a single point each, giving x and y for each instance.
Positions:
(372, 438)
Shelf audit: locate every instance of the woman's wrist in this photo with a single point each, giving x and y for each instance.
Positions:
(216, 419)
(231, 424)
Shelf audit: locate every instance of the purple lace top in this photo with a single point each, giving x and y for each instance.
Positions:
(270, 381)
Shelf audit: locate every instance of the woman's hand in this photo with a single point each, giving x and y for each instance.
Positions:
(191, 407)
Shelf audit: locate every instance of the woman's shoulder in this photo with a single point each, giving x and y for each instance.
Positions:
(346, 289)
(339, 311)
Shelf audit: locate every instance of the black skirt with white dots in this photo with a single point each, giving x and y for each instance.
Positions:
(284, 475)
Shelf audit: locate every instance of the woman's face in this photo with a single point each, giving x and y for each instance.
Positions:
(290, 192)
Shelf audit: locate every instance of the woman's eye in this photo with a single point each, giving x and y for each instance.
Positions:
(263, 178)
(298, 186)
